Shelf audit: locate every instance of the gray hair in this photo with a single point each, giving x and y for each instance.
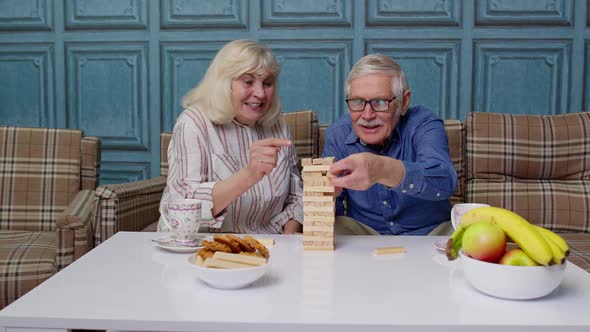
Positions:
(380, 64)
(212, 96)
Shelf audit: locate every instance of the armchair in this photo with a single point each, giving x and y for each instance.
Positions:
(47, 178)
(135, 206)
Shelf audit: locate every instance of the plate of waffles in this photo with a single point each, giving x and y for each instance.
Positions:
(230, 261)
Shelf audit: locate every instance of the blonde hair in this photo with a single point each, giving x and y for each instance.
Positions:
(380, 64)
(212, 96)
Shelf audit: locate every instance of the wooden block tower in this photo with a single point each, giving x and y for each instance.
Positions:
(318, 204)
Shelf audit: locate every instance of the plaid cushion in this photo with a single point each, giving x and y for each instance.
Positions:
(26, 260)
(90, 162)
(126, 207)
(304, 132)
(153, 227)
(74, 226)
(322, 138)
(579, 249)
(39, 176)
(536, 166)
(456, 134)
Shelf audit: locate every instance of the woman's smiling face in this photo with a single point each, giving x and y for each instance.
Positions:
(251, 97)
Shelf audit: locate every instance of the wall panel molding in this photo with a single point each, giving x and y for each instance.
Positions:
(417, 13)
(123, 172)
(26, 15)
(431, 68)
(105, 14)
(107, 93)
(312, 75)
(183, 66)
(27, 85)
(204, 14)
(522, 77)
(530, 13)
(316, 13)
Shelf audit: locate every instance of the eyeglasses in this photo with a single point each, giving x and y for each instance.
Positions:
(378, 105)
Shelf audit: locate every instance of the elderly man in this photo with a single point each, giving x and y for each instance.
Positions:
(393, 173)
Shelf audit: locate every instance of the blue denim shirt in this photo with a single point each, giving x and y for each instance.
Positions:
(421, 201)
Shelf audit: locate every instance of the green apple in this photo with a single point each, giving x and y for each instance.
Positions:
(484, 242)
(517, 257)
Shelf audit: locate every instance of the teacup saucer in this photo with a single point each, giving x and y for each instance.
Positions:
(171, 242)
(180, 249)
(441, 244)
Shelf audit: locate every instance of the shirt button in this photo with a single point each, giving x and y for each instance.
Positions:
(384, 202)
(411, 185)
(391, 223)
(437, 194)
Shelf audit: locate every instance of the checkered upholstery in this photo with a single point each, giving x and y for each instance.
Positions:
(536, 166)
(44, 212)
(304, 133)
(135, 206)
(579, 244)
(126, 207)
(456, 138)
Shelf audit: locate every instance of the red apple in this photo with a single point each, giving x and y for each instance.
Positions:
(484, 242)
(517, 257)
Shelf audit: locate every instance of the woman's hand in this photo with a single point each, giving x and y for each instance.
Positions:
(264, 155)
(292, 227)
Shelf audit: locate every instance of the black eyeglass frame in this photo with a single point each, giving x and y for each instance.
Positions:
(371, 102)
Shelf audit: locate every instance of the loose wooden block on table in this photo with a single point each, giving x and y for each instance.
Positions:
(389, 251)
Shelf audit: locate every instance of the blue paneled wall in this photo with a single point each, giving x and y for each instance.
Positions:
(119, 68)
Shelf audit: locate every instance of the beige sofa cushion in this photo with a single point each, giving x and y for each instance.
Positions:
(536, 166)
(40, 176)
(456, 138)
(26, 260)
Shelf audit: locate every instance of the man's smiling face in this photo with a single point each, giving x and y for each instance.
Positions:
(372, 127)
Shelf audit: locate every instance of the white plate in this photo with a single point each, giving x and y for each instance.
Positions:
(441, 244)
(180, 249)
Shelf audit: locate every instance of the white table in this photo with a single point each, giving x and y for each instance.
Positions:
(128, 284)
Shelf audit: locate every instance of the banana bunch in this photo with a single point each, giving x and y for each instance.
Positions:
(542, 245)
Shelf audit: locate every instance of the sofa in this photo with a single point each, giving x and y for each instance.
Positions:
(536, 166)
(47, 182)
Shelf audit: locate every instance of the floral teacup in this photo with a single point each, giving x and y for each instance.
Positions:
(182, 218)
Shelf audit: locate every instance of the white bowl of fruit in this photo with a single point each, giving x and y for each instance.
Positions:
(530, 266)
(511, 281)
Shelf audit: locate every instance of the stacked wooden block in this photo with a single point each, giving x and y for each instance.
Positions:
(318, 204)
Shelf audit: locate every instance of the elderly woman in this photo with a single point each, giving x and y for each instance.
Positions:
(232, 151)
